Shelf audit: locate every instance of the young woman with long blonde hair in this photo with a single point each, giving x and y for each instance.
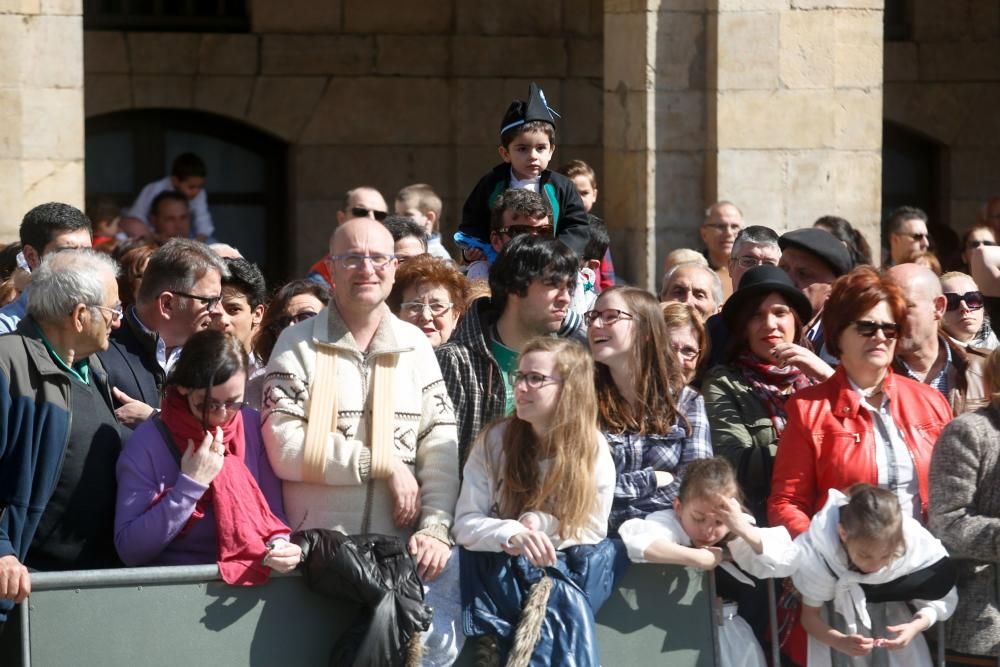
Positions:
(540, 480)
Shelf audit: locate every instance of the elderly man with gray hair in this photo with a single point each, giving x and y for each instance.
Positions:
(754, 246)
(696, 285)
(59, 439)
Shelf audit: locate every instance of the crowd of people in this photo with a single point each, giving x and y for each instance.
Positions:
(518, 421)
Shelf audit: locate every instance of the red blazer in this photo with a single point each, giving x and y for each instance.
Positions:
(829, 443)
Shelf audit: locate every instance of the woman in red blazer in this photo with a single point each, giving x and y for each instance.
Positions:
(864, 424)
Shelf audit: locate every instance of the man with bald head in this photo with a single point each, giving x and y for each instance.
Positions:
(360, 202)
(925, 354)
(358, 423)
(723, 221)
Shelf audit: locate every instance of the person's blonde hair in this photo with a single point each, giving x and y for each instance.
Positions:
(678, 315)
(568, 490)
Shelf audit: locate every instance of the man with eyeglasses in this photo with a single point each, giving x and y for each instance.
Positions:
(925, 354)
(754, 246)
(358, 423)
(45, 229)
(181, 293)
(723, 221)
(908, 235)
(58, 434)
(531, 284)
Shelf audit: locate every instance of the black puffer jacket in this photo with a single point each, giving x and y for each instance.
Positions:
(376, 572)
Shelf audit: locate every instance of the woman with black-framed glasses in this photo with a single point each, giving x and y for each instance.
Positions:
(864, 424)
(654, 423)
(194, 484)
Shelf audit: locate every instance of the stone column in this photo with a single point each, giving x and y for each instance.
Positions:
(773, 104)
(41, 107)
(795, 118)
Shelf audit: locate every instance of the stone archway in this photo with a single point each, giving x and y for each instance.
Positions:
(246, 172)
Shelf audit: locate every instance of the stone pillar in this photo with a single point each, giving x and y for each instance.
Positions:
(41, 107)
(773, 104)
(796, 112)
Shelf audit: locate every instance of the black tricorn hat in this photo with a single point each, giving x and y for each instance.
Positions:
(536, 108)
(761, 281)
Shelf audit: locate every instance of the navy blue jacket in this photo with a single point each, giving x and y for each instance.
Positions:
(568, 215)
(130, 361)
(34, 430)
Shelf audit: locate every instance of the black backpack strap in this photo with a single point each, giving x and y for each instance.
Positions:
(168, 438)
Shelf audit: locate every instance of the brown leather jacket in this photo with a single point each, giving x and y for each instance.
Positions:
(965, 376)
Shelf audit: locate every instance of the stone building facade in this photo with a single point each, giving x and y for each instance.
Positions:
(774, 104)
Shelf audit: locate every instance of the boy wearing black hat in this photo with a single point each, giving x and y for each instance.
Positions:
(527, 142)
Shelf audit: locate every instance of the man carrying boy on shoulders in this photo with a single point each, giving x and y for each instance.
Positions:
(527, 143)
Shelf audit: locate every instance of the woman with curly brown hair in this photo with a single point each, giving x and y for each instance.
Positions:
(429, 293)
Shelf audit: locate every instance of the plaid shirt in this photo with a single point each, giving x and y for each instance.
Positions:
(637, 457)
(473, 377)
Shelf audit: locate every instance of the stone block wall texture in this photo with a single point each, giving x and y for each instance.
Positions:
(383, 93)
(41, 107)
(943, 81)
(775, 105)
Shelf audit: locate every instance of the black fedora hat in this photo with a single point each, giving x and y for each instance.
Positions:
(761, 281)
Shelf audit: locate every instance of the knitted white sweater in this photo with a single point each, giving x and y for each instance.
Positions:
(354, 498)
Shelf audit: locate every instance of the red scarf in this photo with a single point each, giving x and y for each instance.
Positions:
(243, 520)
(770, 384)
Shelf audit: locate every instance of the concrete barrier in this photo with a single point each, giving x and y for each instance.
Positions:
(173, 616)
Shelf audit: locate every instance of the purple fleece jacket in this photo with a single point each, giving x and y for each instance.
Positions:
(147, 535)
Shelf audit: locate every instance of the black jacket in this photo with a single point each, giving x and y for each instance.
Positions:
(377, 573)
(130, 362)
(568, 215)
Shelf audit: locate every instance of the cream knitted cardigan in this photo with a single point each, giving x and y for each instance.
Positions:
(354, 496)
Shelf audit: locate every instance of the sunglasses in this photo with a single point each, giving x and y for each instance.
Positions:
(362, 212)
(976, 244)
(973, 300)
(283, 323)
(916, 237)
(517, 230)
(868, 328)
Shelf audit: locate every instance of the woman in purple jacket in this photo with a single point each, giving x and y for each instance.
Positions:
(194, 482)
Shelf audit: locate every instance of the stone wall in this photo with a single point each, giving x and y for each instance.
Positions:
(944, 82)
(383, 93)
(41, 104)
(775, 105)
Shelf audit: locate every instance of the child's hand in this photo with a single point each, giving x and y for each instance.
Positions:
(707, 558)
(473, 254)
(905, 632)
(731, 513)
(854, 645)
(533, 545)
(531, 521)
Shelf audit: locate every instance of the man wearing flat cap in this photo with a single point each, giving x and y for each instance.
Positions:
(814, 258)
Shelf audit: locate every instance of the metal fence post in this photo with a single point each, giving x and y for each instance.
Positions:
(772, 617)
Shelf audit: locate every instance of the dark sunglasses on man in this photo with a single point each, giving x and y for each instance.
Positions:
(517, 230)
(362, 212)
(973, 300)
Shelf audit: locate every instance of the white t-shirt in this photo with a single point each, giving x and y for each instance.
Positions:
(201, 219)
